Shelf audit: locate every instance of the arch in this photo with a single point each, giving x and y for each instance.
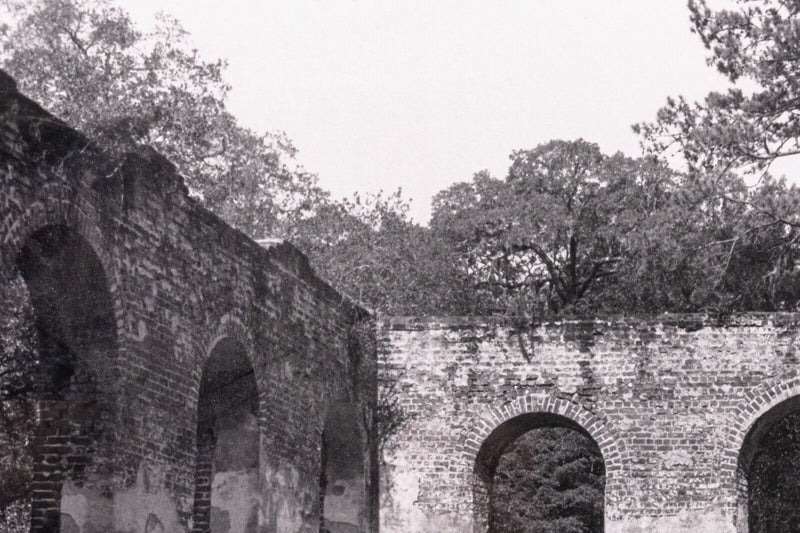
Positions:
(753, 405)
(78, 339)
(227, 326)
(611, 444)
(228, 442)
(497, 427)
(344, 498)
(757, 412)
(58, 209)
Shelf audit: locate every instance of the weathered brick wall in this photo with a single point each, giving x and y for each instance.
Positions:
(179, 280)
(669, 400)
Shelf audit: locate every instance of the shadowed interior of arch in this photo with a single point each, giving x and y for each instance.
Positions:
(74, 342)
(542, 471)
(227, 484)
(767, 470)
(343, 497)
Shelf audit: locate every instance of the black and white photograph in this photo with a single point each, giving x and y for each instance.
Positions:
(400, 266)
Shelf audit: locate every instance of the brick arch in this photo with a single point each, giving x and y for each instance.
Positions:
(58, 208)
(228, 327)
(611, 444)
(753, 405)
(737, 452)
(79, 433)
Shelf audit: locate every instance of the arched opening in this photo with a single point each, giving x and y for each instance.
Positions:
(59, 336)
(227, 484)
(769, 471)
(539, 472)
(343, 480)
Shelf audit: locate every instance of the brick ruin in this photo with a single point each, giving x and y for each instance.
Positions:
(191, 379)
(676, 404)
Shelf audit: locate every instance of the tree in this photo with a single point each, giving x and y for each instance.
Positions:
(708, 249)
(85, 61)
(368, 248)
(759, 43)
(552, 231)
(571, 230)
(752, 231)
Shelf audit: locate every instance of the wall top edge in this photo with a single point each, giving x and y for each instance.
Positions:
(689, 321)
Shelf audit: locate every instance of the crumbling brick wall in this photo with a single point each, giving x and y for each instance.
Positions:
(670, 400)
(178, 280)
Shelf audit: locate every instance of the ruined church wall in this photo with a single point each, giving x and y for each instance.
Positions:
(668, 399)
(181, 280)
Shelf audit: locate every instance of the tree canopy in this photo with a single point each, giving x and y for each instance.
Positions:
(87, 63)
(558, 225)
(753, 123)
(740, 132)
(370, 249)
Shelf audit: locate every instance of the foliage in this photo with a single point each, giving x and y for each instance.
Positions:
(18, 348)
(710, 248)
(16, 428)
(18, 340)
(571, 230)
(550, 479)
(748, 236)
(739, 131)
(370, 249)
(15, 518)
(550, 232)
(773, 489)
(760, 43)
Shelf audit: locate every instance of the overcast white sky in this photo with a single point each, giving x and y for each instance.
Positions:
(420, 94)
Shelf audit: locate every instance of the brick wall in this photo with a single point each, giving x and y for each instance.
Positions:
(175, 280)
(670, 400)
